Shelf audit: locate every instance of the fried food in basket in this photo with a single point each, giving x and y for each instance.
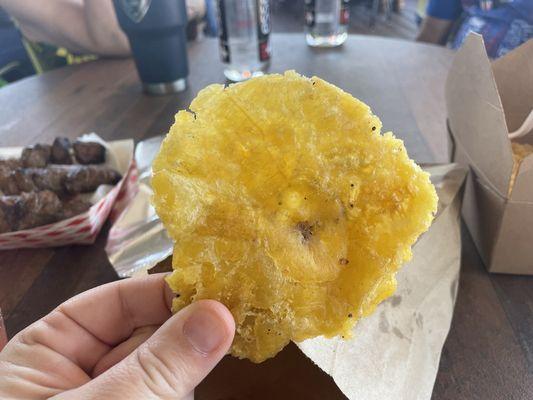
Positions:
(32, 209)
(60, 179)
(61, 151)
(288, 205)
(8, 182)
(89, 152)
(51, 178)
(74, 205)
(29, 210)
(87, 178)
(10, 164)
(42, 186)
(36, 156)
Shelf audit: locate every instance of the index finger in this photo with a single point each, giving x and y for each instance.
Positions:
(113, 311)
(88, 326)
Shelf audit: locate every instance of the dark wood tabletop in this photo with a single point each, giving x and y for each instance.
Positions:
(489, 351)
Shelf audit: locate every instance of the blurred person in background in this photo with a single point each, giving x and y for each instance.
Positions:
(42, 35)
(504, 24)
(420, 12)
(37, 35)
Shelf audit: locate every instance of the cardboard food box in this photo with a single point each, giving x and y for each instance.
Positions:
(485, 102)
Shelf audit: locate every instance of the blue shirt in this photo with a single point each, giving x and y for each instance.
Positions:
(505, 26)
(12, 51)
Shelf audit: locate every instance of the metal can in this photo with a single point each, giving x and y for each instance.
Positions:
(244, 37)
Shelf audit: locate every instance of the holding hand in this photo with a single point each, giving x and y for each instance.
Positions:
(119, 340)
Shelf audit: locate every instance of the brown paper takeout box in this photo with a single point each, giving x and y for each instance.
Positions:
(485, 102)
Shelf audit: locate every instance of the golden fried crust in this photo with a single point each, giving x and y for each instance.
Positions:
(287, 205)
(520, 151)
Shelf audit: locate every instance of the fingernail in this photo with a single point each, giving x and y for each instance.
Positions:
(205, 330)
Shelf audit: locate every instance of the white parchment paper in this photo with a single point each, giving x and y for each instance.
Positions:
(395, 352)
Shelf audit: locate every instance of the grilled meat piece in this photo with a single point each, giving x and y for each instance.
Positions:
(89, 152)
(10, 164)
(8, 183)
(87, 178)
(61, 179)
(61, 151)
(23, 181)
(29, 210)
(74, 206)
(51, 178)
(36, 156)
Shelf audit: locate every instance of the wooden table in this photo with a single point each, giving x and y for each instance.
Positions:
(489, 352)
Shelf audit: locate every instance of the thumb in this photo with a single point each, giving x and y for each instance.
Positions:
(172, 362)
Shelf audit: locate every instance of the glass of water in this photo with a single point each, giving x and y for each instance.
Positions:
(326, 22)
(244, 33)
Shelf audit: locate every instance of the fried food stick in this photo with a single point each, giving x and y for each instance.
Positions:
(36, 156)
(29, 210)
(65, 179)
(87, 178)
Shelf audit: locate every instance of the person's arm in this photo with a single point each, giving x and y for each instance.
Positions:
(84, 26)
(440, 15)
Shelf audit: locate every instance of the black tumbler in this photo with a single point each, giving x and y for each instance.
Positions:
(156, 32)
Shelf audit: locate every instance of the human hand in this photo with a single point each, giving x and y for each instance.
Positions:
(117, 341)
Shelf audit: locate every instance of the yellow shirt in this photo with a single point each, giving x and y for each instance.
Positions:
(421, 8)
